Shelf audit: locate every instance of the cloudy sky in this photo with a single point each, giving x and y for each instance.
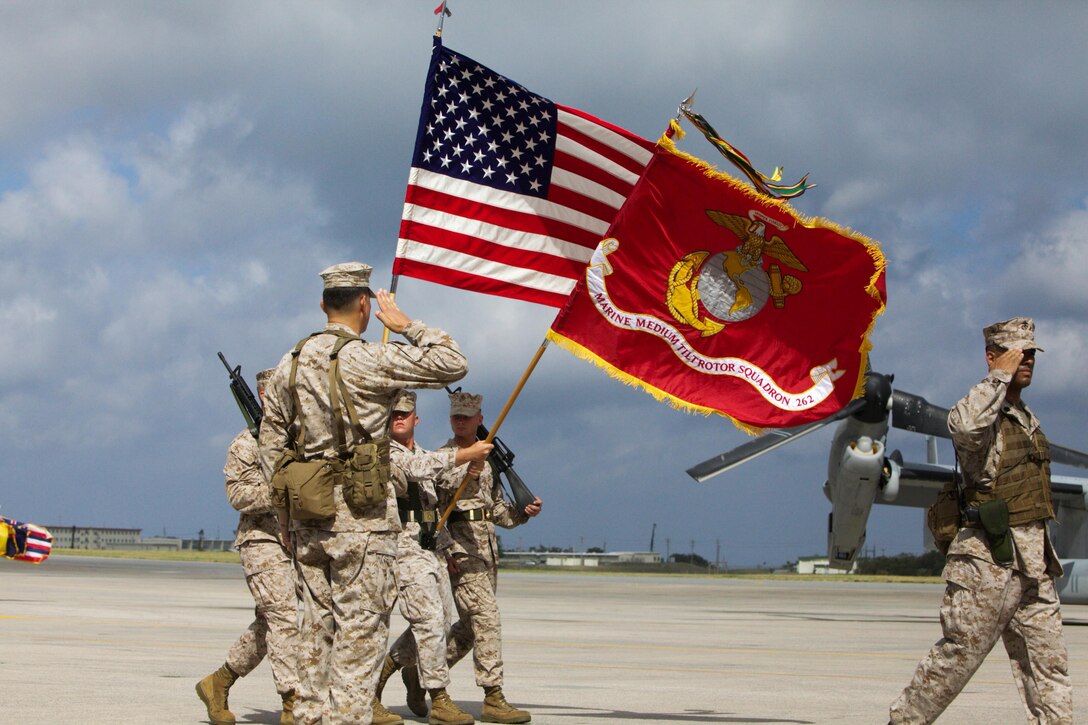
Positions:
(174, 175)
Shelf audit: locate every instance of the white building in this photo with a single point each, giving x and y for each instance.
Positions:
(569, 558)
(93, 537)
(819, 565)
(101, 537)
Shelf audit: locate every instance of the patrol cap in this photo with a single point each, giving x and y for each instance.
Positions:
(348, 274)
(404, 402)
(465, 403)
(263, 377)
(1018, 333)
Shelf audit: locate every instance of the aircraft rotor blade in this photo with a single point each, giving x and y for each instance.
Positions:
(925, 472)
(1068, 456)
(767, 442)
(915, 413)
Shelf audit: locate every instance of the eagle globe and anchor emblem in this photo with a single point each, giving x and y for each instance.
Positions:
(732, 286)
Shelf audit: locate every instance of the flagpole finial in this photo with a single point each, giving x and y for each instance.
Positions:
(683, 108)
(686, 105)
(442, 11)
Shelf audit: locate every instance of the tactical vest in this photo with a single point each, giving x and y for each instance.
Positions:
(1023, 476)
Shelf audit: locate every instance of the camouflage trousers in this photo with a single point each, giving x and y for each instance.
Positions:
(478, 627)
(348, 590)
(984, 602)
(274, 630)
(427, 604)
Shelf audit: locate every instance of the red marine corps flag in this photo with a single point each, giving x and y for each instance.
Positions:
(720, 300)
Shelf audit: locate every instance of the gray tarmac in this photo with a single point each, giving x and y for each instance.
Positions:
(89, 640)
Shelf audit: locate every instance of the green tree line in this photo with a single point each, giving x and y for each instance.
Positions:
(928, 564)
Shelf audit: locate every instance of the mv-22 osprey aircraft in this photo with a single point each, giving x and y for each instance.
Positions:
(860, 472)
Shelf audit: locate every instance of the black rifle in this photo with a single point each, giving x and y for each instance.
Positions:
(502, 464)
(244, 397)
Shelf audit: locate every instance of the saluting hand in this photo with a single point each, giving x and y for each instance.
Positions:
(1007, 360)
(389, 313)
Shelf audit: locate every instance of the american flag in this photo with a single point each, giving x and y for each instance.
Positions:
(509, 193)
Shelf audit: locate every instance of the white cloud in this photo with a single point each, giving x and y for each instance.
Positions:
(72, 197)
(121, 257)
(847, 199)
(21, 348)
(1061, 368)
(1052, 264)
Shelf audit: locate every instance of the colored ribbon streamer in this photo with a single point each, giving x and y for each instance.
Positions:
(764, 183)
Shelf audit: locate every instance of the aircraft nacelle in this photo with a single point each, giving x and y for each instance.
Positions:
(1070, 534)
(1073, 585)
(889, 480)
(852, 489)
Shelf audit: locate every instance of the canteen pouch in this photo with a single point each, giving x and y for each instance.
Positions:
(278, 484)
(366, 473)
(994, 517)
(306, 487)
(943, 517)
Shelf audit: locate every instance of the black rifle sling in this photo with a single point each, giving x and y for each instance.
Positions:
(498, 482)
(414, 499)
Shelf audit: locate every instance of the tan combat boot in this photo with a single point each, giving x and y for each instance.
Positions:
(389, 666)
(497, 709)
(444, 711)
(382, 716)
(416, 695)
(212, 691)
(287, 717)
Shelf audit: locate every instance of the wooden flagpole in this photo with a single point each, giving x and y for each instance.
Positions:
(393, 294)
(493, 431)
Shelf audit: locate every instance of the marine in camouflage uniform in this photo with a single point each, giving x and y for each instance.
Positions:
(474, 554)
(1003, 454)
(346, 562)
(271, 580)
(426, 601)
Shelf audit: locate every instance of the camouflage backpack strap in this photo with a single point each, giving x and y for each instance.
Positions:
(339, 389)
(296, 402)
